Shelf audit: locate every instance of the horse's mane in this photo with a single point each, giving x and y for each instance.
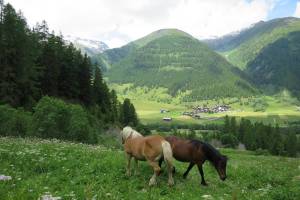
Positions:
(130, 132)
(212, 154)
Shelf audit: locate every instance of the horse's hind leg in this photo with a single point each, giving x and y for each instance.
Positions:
(156, 170)
(202, 174)
(188, 170)
(160, 161)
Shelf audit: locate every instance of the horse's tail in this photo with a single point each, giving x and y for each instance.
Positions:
(168, 154)
(168, 157)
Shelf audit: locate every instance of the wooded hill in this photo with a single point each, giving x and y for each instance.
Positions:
(268, 52)
(175, 60)
(35, 64)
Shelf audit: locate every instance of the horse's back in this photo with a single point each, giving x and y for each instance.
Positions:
(153, 144)
(185, 150)
(141, 147)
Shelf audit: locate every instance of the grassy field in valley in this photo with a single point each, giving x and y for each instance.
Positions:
(78, 171)
(281, 108)
(276, 112)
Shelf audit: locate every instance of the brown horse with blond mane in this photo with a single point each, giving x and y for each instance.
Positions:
(150, 148)
(196, 153)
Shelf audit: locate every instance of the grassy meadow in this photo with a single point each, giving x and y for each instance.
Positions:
(77, 171)
(281, 108)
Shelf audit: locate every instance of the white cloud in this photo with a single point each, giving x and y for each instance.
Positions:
(117, 22)
(297, 12)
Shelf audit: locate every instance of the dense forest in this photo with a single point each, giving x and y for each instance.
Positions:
(46, 80)
(260, 137)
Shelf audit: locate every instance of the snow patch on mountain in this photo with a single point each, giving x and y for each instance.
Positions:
(87, 45)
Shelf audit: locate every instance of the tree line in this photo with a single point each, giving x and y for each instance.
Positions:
(258, 136)
(35, 62)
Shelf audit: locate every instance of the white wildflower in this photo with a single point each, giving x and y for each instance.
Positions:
(207, 196)
(49, 197)
(5, 178)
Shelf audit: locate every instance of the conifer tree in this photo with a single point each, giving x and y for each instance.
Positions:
(233, 126)
(114, 106)
(291, 144)
(129, 116)
(85, 81)
(277, 144)
(226, 125)
(17, 59)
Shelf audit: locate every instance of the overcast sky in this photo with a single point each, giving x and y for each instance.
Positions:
(116, 22)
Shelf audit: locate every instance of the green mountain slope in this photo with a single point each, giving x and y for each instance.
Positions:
(111, 56)
(278, 64)
(242, 48)
(175, 60)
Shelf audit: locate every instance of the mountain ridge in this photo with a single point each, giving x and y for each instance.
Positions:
(242, 48)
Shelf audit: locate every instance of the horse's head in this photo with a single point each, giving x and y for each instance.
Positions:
(221, 167)
(127, 133)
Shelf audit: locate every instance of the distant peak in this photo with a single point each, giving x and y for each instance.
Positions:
(160, 33)
(170, 31)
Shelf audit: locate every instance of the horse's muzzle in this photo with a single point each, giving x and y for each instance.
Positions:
(223, 178)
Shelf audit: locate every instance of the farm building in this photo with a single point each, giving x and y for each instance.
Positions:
(167, 119)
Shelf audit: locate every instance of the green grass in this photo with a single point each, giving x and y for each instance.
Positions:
(78, 171)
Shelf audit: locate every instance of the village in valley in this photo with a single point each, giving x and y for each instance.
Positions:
(197, 110)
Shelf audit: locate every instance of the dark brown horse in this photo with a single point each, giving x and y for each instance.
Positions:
(196, 153)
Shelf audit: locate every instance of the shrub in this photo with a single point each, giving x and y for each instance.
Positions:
(14, 122)
(229, 140)
(54, 118)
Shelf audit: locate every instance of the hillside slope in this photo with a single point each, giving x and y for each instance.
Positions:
(175, 60)
(277, 66)
(78, 171)
(243, 47)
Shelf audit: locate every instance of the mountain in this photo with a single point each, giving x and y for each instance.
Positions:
(175, 60)
(90, 47)
(242, 47)
(111, 56)
(277, 66)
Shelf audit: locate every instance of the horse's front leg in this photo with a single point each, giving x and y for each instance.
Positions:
(136, 171)
(128, 172)
(202, 175)
(188, 170)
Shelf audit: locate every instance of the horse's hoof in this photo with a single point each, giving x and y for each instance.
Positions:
(184, 176)
(152, 182)
(128, 174)
(204, 183)
(171, 183)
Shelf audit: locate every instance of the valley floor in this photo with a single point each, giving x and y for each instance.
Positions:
(281, 108)
(276, 112)
(78, 171)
